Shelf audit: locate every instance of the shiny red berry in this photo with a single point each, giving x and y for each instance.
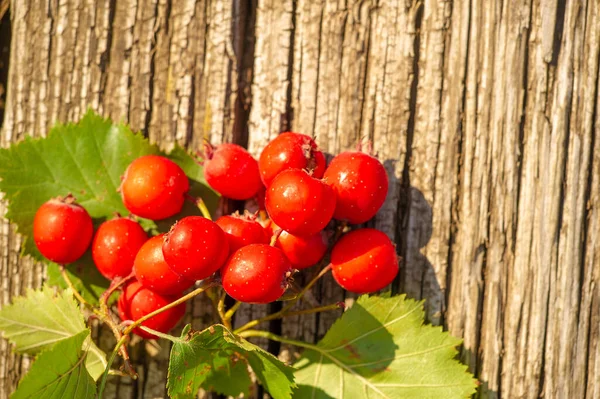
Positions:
(62, 230)
(154, 187)
(242, 230)
(195, 247)
(152, 271)
(115, 245)
(303, 252)
(299, 203)
(290, 151)
(364, 260)
(256, 273)
(136, 301)
(231, 171)
(361, 185)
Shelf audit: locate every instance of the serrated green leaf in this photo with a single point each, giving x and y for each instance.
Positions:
(214, 357)
(86, 159)
(41, 319)
(380, 348)
(59, 372)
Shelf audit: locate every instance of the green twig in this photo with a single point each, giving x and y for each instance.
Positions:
(76, 294)
(221, 310)
(229, 314)
(278, 338)
(111, 359)
(279, 315)
(203, 209)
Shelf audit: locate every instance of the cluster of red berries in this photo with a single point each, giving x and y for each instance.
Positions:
(255, 256)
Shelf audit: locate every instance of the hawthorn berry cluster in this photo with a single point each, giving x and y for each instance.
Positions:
(253, 255)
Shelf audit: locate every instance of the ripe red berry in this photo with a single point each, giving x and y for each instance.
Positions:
(136, 301)
(195, 247)
(299, 203)
(290, 151)
(152, 271)
(154, 187)
(256, 273)
(364, 260)
(230, 170)
(242, 230)
(361, 184)
(62, 230)
(303, 252)
(115, 245)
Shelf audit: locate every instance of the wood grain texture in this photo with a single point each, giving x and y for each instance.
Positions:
(485, 115)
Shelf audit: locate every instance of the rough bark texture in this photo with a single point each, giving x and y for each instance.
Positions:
(484, 113)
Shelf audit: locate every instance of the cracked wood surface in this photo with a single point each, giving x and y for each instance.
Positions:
(484, 114)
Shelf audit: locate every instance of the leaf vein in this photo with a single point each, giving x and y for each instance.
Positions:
(381, 327)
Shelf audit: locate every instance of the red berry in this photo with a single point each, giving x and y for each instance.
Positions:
(230, 170)
(136, 301)
(361, 184)
(152, 271)
(115, 246)
(364, 260)
(303, 252)
(256, 273)
(242, 231)
(299, 203)
(62, 230)
(154, 187)
(290, 151)
(195, 247)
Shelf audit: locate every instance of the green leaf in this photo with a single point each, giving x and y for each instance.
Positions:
(59, 373)
(380, 348)
(215, 359)
(43, 318)
(86, 159)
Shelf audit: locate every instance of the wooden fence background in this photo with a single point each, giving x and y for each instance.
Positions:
(484, 112)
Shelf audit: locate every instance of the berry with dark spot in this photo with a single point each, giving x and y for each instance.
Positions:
(195, 247)
(257, 273)
(152, 271)
(115, 245)
(154, 187)
(299, 203)
(303, 252)
(364, 260)
(62, 230)
(136, 301)
(361, 185)
(242, 230)
(290, 151)
(231, 171)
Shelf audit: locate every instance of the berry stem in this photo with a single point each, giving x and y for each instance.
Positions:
(203, 209)
(114, 285)
(275, 236)
(278, 338)
(221, 310)
(162, 335)
(284, 311)
(229, 314)
(199, 202)
(278, 315)
(76, 294)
